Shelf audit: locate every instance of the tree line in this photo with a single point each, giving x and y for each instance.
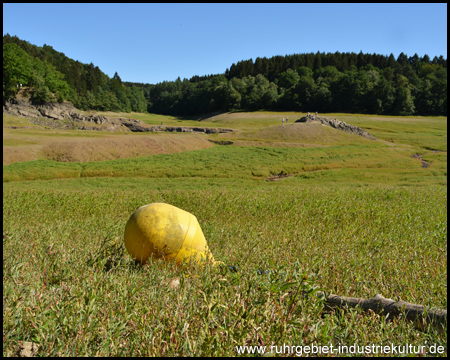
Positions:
(331, 82)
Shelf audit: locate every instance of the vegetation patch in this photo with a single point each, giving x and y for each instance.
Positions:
(310, 133)
(347, 216)
(73, 280)
(85, 149)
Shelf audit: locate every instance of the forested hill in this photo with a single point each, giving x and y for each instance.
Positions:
(48, 71)
(332, 82)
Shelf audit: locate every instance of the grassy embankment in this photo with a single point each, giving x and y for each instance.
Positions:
(359, 217)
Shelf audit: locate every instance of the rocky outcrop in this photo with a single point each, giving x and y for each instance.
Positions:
(62, 116)
(66, 116)
(221, 142)
(337, 124)
(23, 107)
(134, 126)
(194, 129)
(185, 129)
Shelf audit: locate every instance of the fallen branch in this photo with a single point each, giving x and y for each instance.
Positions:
(417, 313)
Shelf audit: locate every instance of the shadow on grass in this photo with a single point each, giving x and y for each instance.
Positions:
(110, 255)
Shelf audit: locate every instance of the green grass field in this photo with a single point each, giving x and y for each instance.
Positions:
(354, 217)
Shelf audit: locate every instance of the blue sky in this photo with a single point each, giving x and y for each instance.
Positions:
(151, 43)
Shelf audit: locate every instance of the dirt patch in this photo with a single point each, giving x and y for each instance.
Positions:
(104, 148)
(13, 154)
(281, 175)
(191, 129)
(16, 127)
(221, 142)
(434, 150)
(419, 157)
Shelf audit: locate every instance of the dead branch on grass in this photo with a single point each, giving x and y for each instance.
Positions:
(419, 314)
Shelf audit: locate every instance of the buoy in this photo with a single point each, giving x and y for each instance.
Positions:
(165, 232)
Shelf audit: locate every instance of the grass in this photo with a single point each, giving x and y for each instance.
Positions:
(70, 286)
(356, 218)
(311, 133)
(79, 149)
(428, 133)
(246, 163)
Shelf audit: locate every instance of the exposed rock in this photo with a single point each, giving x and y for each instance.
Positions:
(193, 129)
(134, 127)
(25, 113)
(66, 116)
(337, 124)
(51, 114)
(28, 349)
(176, 129)
(54, 111)
(174, 283)
(20, 107)
(221, 142)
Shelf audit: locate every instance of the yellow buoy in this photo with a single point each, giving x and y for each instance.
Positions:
(165, 231)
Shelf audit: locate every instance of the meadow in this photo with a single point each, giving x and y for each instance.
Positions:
(297, 208)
